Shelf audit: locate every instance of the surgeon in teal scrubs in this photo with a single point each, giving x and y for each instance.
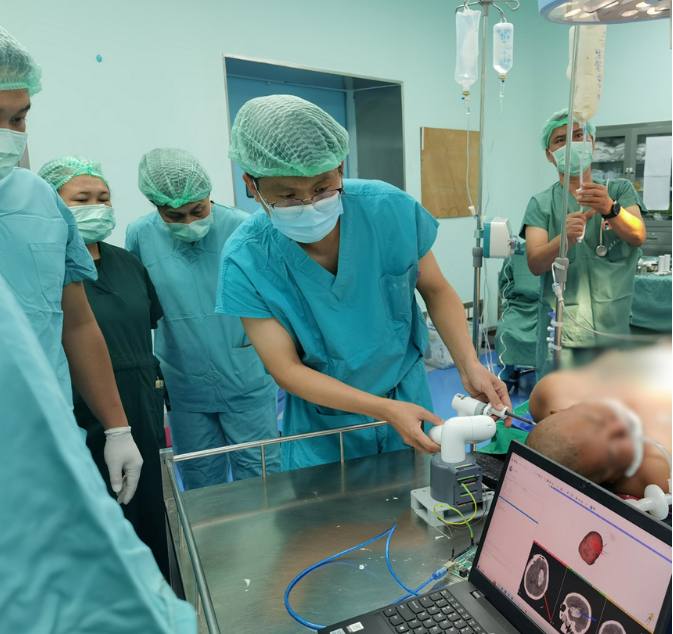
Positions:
(605, 232)
(70, 562)
(218, 389)
(323, 278)
(44, 262)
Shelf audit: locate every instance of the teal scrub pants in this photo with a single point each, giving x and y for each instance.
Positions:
(195, 431)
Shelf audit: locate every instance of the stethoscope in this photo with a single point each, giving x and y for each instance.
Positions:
(601, 249)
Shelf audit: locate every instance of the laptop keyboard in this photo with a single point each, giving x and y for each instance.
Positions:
(436, 613)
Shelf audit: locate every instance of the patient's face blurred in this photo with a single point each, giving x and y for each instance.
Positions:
(604, 449)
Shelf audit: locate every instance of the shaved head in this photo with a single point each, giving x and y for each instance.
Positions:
(590, 438)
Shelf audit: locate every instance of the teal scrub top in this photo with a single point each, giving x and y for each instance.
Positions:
(599, 290)
(516, 335)
(361, 326)
(70, 561)
(207, 362)
(41, 251)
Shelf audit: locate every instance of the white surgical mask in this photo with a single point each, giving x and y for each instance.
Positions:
(308, 223)
(94, 222)
(12, 147)
(581, 153)
(193, 231)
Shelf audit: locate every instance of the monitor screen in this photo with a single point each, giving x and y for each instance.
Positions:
(568, 562)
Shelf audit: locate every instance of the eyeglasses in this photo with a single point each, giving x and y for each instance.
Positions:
(286, 203)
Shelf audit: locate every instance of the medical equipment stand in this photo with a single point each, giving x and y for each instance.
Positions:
(477, 250)
(561, 262)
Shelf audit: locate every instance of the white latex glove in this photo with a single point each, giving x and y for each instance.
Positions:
(123, 462)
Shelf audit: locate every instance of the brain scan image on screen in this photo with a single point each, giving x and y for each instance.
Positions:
(591, 547)
(575, 614)
(611, 627)
(536, 577)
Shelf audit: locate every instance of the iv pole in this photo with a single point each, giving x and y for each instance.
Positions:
(477, 250)
(561, 262)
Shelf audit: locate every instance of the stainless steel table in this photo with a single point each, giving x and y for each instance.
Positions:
(254, 536)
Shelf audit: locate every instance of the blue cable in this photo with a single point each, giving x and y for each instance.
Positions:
(393, 574)
(323, 562)
(438, 574)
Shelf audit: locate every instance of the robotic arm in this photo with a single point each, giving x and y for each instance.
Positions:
(455, 432)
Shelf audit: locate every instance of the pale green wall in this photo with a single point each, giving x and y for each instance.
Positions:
(161, 84)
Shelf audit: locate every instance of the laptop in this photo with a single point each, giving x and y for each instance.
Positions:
(557, 554)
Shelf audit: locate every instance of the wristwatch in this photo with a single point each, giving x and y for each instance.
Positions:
(614, 212)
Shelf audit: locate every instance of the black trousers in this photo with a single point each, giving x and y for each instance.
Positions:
(143, 404)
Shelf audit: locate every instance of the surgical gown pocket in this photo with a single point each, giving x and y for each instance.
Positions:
(248, 369)
(618, 250)
(49, 259)
(397, 293)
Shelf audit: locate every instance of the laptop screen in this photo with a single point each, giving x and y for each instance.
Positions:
(568, 562)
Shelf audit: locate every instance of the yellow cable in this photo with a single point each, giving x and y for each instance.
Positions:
(466, 521)
(474, 502)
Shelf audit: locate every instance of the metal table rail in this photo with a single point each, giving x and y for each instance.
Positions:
(216, 451)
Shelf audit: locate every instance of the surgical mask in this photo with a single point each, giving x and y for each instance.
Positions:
(12, 147)
(94, 222)
(308, 223)
(193, 231)
(581, 153)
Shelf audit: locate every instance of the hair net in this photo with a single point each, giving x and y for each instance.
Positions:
(59, 171)
(557, 120)
(172, 177)
(18, 71)
(283, 135)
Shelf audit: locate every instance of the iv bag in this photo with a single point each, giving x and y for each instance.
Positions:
(467, 47)
(503, 47)
(590, 68)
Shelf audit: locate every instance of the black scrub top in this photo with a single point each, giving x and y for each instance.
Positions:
(126, 308)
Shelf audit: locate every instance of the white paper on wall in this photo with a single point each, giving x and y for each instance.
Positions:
(657, 180)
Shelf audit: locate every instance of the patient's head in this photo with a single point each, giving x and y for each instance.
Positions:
(591, 438)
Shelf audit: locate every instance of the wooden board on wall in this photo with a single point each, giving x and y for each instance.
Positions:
(443, 173)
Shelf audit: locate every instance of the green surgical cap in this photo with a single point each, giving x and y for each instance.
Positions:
(283, 135)
(557, 120)
(59, 171)
(172, 177)
(18, 71)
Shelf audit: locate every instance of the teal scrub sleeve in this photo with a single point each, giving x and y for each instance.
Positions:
(131, 241)
(236, 295)
(79, 265)
(426, 230)
(534, 217)
(626, 195)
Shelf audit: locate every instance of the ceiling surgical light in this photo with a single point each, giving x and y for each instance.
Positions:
(603, 11)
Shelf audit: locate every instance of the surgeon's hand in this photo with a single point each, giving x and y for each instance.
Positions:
(576, 224)
(595, 196)
(407, 419)
(486, 387)
(123, 461)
